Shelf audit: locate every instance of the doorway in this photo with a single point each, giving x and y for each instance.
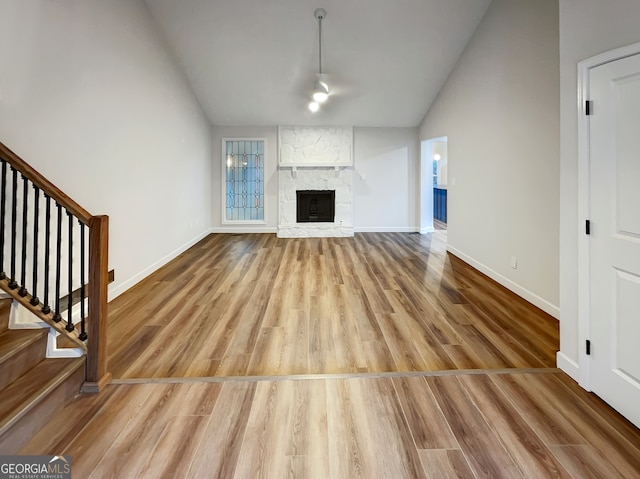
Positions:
(439, 164)
(433, 181)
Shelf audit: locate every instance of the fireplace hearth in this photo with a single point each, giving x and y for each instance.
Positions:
(315, 206)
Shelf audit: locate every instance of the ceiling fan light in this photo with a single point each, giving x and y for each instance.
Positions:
(320, 96)
(314, 106)
(320, 92)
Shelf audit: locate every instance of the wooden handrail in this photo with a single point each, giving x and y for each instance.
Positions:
(96, 374)
(45, 185)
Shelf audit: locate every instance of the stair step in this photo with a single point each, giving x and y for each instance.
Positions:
(27, 404)
(5, 310)
(63, 341)
(20, 350)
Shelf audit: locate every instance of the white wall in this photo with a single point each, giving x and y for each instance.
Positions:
(270, 133)
(386, 181)
(91, 98)
(587, 28)
(499, 110)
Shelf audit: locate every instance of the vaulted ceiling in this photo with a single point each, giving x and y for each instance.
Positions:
(254, 62)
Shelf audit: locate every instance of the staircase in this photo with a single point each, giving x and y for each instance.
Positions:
(53, 263)
(32, 387)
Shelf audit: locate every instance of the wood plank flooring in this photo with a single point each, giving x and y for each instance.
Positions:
(379, 356)
(489, 425)
(255, 305)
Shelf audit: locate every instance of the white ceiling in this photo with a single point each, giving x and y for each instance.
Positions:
(254, 62)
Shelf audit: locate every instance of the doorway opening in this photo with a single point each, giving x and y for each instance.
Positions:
(433, 195)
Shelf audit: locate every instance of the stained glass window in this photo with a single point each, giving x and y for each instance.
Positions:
(244, 180)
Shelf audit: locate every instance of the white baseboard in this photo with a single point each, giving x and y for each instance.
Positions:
(54, 352)
(122, 287)
(356, 229)
(21, 318)
(524, 293)
(427, 229)
(568, 365)
(386, 229)
(243, 229)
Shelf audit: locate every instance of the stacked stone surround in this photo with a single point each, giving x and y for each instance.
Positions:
(315, 159)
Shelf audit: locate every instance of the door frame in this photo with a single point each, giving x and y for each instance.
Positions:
(584, 320)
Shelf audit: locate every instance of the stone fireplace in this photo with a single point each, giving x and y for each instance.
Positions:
(317, 160)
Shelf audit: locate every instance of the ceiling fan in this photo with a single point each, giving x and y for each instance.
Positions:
(321, 90)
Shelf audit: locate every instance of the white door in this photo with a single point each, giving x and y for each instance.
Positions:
(614, 243)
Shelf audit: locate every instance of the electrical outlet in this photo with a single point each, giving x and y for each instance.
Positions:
(514, 262)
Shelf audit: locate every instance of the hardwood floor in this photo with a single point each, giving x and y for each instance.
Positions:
(456, 424)
(256, 305)
(439, 225)
(378, 356)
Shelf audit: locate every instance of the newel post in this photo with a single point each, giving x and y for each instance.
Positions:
(96, 375)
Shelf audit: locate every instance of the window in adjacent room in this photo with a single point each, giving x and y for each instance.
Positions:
(243, 171)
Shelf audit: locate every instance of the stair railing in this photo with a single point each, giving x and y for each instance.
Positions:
(58, 267)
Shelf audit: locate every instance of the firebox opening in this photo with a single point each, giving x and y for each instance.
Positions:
(315, 206)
